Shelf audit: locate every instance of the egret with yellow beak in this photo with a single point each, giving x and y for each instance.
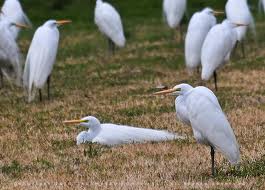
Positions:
(199, 26)
(41, 58)
(217, 48)
(10, 62)
(199, 108)
(112, 134)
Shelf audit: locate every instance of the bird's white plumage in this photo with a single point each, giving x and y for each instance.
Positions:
(112, 134)
(174, 11)
(41, 57)
(13, 11)
(109, 22)
(237, 11)
(199, 26)
(209, 123)
(262, 5)
(217, 47)
(9, 53)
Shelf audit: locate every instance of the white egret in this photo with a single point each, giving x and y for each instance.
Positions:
(262, 5)
(173, 11)
(237, 11)
(109, 23)
(200, 108)
(41, 57)
(217, 48)
(13, 11)
(10, 65)
(112, 134)
(199, 26)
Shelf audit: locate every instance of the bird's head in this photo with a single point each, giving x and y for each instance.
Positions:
(212, 12)
(56, 23)
(88, 122)
(180, 89)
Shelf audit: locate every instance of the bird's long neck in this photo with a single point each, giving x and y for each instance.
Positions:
(99, 2)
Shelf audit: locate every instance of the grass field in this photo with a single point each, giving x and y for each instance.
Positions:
(39, 152)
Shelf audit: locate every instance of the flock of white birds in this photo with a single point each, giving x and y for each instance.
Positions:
(207, 45)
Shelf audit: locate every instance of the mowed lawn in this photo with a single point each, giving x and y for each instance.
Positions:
(37, 151)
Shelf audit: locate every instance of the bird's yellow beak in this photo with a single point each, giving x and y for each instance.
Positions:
(164, 92)
(216, 13)
(74, 121)
(22, 26)
(62, 22)
(239, 24)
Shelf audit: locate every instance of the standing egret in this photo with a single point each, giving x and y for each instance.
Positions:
(199, 26)
(237, 11)
(41, 57)
(173, 11)
(112, 134)
(109, 23)
(14, 12)
(10, 65)
(217, 48)
(200, 108)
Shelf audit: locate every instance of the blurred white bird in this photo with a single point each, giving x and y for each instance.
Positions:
(173, 11)
(237, 11)
(10, 65)
(109, 23)
(199, 26)
(112, 134)
(262, 5)
(217, 48)
(41, 57)
(200, 108)
(13, 11)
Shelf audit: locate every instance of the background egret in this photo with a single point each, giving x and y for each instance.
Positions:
(173, 11)
(112, 134)
(13, 11)
(237, 11)
(217, 48)
(109, 23)
(199, 107)
(10, 60)
(199, 26)
(41, 57)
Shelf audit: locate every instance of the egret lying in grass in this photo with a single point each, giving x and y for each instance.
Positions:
(13, 11)
(10, 65)
(109, 23)
(199, 26)
(173, 11)
(200, 108)
(217, 48)
(112, 134)
(41, 57)
(237, 11)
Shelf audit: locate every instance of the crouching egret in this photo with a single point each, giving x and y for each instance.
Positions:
(10, 65)
(199, 26)
(200, 108)
(109, 23)
(173, 11)
(237, 11)
(41, 57)
(112, 134)
(13, 11)
(217, 48)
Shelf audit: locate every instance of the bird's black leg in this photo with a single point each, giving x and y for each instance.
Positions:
(1, 79)
(243, 49)
(215, 80)
(48, 86)
(40, 94)
(212, 160)
(180, 34)
(111, 47)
